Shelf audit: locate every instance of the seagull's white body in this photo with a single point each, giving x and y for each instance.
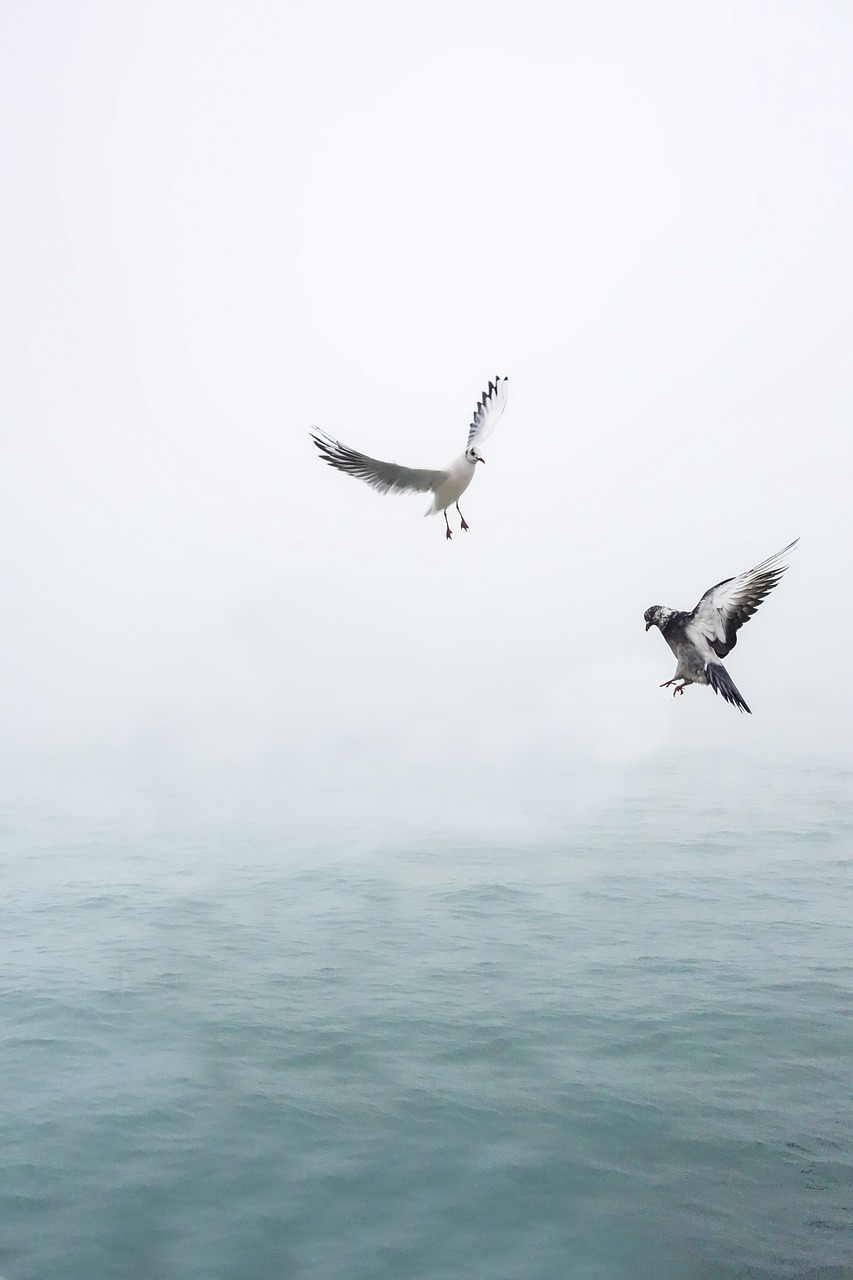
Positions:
(455, 480)
(447, 485)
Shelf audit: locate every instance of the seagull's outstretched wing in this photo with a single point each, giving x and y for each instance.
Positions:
(489, 409)
(724, 609)
(387, 477)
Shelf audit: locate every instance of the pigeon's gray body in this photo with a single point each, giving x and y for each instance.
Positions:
(701, 638)
(690, 664)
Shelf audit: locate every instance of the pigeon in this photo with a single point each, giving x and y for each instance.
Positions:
(446, 486)
(700, 638)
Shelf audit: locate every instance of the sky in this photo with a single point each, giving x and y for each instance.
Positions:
(225, 223)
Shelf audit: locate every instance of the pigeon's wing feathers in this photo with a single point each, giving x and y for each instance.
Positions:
(386, 477)
(724, 609)
(489, 408)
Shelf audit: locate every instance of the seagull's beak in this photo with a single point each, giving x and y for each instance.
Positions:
(481, 459)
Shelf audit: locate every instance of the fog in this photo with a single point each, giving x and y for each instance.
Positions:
(226, 223)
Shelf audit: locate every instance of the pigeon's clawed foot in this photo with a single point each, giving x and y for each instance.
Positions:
(679, 688)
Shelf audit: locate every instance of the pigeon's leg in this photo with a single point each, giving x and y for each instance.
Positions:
(679, 688)
(448, 535)
(667, 683)
(462, 518)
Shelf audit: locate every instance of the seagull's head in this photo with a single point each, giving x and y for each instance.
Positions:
(473, 456)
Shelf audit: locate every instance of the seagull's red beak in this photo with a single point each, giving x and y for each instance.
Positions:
(481, 459)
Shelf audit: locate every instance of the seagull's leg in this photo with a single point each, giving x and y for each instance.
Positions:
(462, 518)
(448, 535)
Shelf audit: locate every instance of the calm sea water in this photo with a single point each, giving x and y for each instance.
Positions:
(373, 1028)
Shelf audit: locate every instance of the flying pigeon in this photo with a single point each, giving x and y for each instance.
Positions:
(699, 638)
(446, 486)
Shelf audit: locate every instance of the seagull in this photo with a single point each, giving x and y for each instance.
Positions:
(699, 638)
(446, 486)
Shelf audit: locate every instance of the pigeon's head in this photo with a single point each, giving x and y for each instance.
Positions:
(655, 615)
(473, 456)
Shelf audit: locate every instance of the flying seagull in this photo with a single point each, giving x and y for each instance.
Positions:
(700, 638)
(446, 486)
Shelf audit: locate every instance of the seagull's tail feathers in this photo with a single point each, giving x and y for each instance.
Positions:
(722, 683)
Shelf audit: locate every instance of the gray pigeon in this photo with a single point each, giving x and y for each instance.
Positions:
(700, 638)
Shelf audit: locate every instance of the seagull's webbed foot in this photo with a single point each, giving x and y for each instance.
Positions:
(448, 535)
(464, 524)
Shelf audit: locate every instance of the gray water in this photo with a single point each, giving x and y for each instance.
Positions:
(531, 1028)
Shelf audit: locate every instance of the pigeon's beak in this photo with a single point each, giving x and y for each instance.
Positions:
(648, 624)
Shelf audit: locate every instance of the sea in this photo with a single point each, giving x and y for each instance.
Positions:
(372, 1022)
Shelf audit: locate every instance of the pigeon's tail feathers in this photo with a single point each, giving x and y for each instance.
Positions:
(722, 683)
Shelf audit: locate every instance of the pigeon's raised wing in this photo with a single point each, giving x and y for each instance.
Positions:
(386, 477)
(724, 609)
(489, 409)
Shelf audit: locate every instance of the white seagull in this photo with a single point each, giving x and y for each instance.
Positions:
(446, 486)
(699, 638)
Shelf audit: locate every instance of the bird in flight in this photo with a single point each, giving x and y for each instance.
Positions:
(699, 639)
(446, 486)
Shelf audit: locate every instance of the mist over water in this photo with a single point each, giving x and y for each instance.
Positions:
(593, 1028)
(369, 910)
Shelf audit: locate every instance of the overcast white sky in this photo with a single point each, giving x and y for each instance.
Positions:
(225, 222)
